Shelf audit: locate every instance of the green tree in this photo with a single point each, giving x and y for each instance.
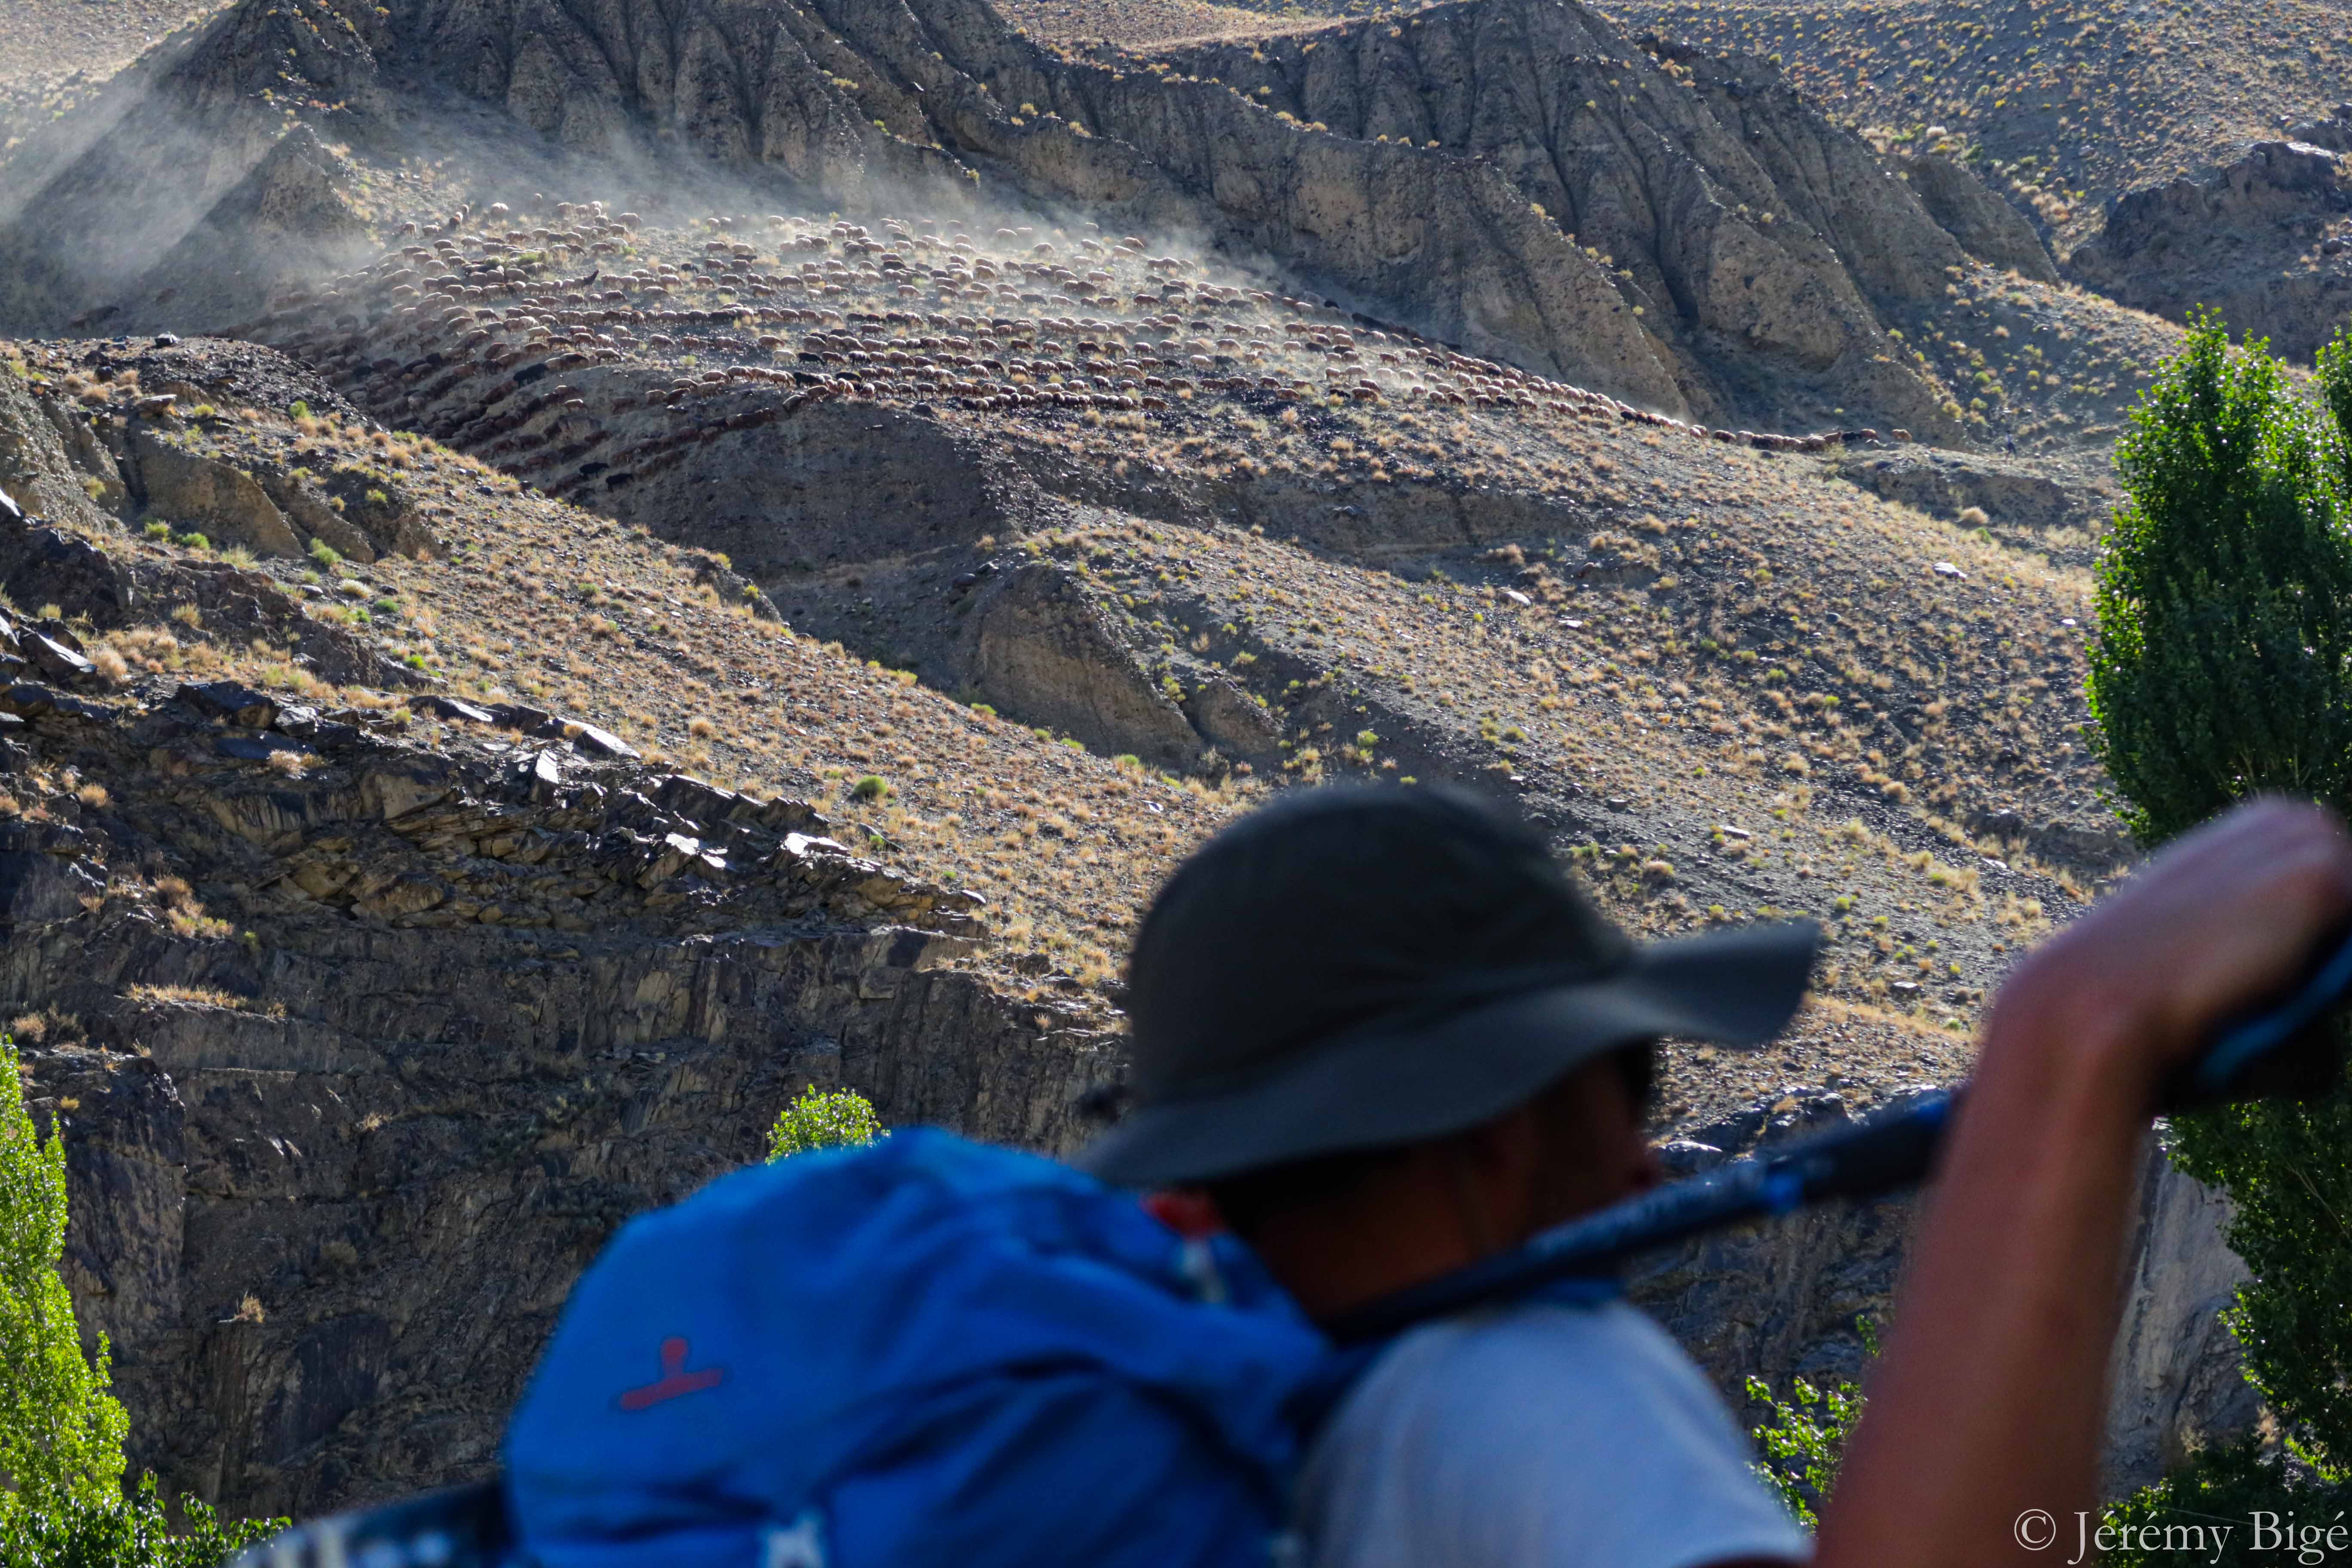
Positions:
(60, 1431)
(842, 1118)
(2160, 1526)
(124, 1532)
(1804, 1442)
(61, 1502)
(2222, 666)
(2225, 598)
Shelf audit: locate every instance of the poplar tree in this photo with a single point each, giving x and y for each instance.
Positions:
(2222, 668)
(2222, 664)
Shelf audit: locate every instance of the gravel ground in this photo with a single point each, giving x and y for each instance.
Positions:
(49, 40)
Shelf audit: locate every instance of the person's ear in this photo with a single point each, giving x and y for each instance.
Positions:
(1503, 1159)
(1649, 1170)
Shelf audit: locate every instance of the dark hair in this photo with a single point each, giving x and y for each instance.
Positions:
(1639, 1064)
(1249, 1200)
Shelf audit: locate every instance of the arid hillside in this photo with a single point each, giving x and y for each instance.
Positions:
(569, 571)
(2066, 106)
(1718, 249)
(2173, 157)
(2169, 126)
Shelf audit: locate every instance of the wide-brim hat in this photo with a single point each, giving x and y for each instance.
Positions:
(1358, 968)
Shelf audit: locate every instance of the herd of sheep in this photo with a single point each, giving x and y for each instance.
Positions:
(464, 328)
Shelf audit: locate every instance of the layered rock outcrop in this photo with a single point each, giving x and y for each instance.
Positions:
(1041, 646)
(1986, 225)
(1747, 232)
(2265, 240)
(55, 463)
(358, 1062)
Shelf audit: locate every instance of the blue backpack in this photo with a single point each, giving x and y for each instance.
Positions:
(926, 1352)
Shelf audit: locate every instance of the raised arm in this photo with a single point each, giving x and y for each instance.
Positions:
(1989, 1403)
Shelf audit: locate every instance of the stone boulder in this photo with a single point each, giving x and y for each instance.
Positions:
(1987, 226)
(1040, 647)
(226, 504)
(1233, 721)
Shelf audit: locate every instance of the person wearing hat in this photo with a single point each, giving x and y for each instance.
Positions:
(1387, 1035)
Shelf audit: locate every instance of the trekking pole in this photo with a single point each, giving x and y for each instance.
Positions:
(2248, 1059)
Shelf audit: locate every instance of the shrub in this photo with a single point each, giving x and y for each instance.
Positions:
(1804, 1441)
(873, 786)
(842, 1118)
(325, 555)
(2259, 1497)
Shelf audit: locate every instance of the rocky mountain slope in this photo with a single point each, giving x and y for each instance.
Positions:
(2171, 157)
(399, 906)
(1707, 243)
(615, 562)
(2067, 108)
(369, 1012)
(54, 53)
(2265, 240)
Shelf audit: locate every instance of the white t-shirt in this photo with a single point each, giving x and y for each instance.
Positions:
(1544, 1436)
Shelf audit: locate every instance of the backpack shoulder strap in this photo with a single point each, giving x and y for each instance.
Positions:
(460, 1527)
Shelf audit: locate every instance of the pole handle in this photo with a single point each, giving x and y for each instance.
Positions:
(2289, 1047)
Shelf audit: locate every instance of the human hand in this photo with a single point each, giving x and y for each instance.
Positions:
(2218, 920)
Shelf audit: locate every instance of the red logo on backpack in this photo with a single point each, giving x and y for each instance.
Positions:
(674, 1381)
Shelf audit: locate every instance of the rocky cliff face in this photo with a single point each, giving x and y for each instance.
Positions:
(96, 202)
(1518, 177)
(1789, 1294)
(361, 1047)
(2266, 240)
(358, 1068)
(1747, 232)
